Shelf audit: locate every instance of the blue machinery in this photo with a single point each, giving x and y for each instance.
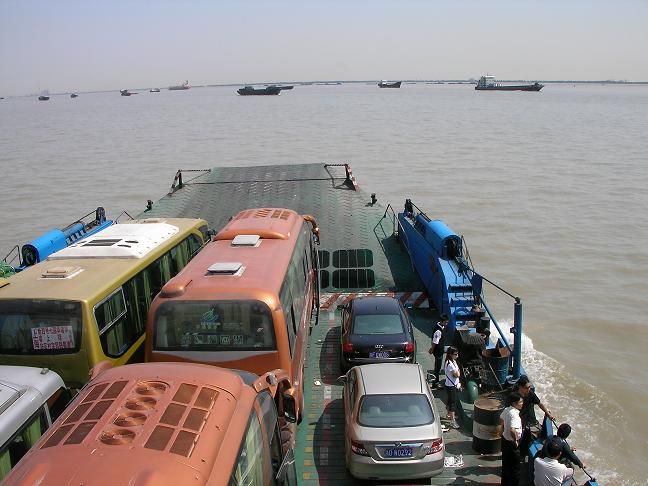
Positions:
(54, 240)
(453, 285)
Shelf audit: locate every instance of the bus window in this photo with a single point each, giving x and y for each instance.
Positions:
(113, 321)
(39, 327)
(214, 326)
(248, 470)
(270, 423)
(195, 244)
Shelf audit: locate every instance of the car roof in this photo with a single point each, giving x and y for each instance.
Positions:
(391, 378)
(376, 305)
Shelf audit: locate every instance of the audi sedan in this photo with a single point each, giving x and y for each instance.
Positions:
(392, 429)
(376, 330)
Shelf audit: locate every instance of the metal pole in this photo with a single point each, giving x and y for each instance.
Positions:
(517, 338)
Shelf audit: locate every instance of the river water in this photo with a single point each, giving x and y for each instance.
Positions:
(550, 190)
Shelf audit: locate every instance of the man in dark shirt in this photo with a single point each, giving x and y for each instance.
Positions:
(527, 414)
(437, 347)
(567, 453)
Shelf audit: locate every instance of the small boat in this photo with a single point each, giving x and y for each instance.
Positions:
(154, 90)
(74, 95)
(125, 92)
(488, 83)
(43, 98)
(387, 84)
(179, 87)
(268, 90)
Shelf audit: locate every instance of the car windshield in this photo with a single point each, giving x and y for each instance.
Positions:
(403, 410)
(377, 324)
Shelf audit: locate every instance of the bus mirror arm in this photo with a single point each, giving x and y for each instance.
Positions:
(310, 219)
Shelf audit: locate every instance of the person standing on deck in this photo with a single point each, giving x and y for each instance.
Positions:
(527, 414)
(548, 471)
(436, 348)
(511, 435)
(452, 384)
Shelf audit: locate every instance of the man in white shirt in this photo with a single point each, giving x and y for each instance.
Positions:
(548, 471)
(511, 435)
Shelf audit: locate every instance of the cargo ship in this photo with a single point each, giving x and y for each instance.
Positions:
(179, 87)
(488, 83)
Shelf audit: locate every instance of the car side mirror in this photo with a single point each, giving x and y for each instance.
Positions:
(342, 380)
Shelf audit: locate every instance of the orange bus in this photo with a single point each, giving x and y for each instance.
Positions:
(245, 301)
(168, 424)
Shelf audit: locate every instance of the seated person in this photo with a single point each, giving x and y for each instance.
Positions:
(548, 471)
(567, 457)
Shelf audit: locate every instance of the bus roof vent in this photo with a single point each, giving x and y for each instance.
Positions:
(122, 240)
(246, 240)
(226, 268)
(61, 272)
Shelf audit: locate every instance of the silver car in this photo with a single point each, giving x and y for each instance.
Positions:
(392, 428)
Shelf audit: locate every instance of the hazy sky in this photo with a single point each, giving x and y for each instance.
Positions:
(65, 45)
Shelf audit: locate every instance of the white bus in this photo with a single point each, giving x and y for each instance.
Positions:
(30, 400)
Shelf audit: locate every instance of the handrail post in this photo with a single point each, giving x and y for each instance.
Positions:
(517, 338)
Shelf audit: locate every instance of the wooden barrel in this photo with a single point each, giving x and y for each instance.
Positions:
(487, 431)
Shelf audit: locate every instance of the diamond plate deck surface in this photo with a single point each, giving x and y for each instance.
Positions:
(345, 216)
(347, 220)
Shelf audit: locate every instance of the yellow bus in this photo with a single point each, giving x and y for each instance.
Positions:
(246, 301)
(169, 424)
(88, 302)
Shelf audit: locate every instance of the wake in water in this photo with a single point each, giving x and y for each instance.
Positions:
(599, 427)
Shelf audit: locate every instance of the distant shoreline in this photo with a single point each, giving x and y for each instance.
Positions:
(367, 81)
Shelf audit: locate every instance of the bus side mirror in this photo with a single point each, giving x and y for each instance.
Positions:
(289, 407)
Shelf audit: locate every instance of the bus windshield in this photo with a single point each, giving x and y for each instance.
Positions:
(39, 326)
(214, 326)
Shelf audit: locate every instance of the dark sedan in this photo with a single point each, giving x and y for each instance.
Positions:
(376, 330)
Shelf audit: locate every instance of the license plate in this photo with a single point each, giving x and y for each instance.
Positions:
(398, 452)
(379, 354)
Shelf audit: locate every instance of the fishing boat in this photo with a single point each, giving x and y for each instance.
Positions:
(180, 87)
(125, 92)
(488, 83)
(43, 98)
(370, 249)
(74, 95)
(387, 84)
(252, 91)
(56, 239)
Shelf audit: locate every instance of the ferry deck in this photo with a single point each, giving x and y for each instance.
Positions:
(360, 253)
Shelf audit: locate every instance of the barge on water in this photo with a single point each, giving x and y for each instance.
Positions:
(370, 249)
(488, 83)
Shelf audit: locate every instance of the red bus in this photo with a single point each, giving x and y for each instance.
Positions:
(245, 301)
(168, 424)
